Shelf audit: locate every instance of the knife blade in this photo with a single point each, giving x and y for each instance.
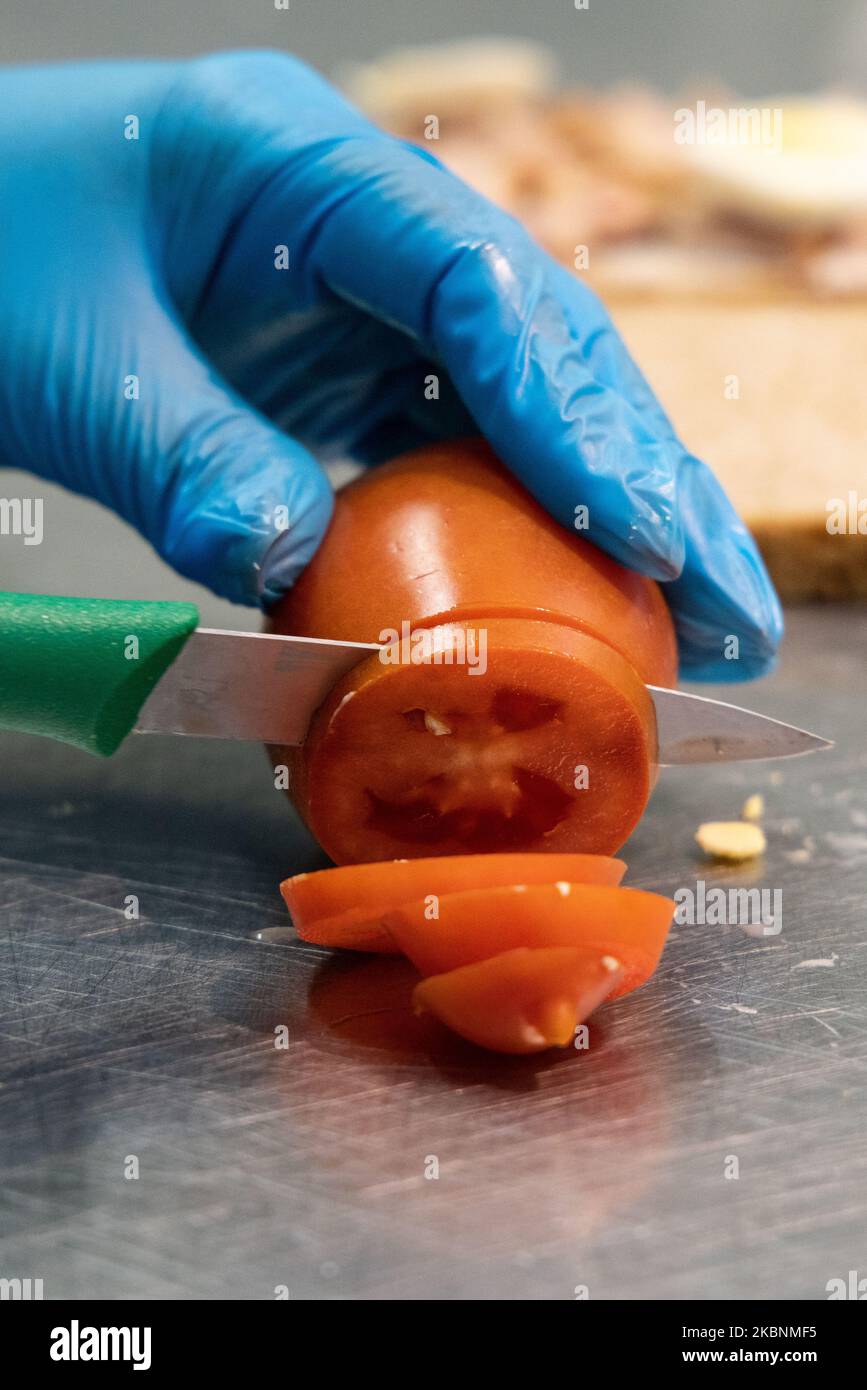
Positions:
(695, 729)
(247, 685)
(264, 687)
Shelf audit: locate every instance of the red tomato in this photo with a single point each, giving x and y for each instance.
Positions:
(345, 907)
(520, 1001)
(471, 926)
(550, 747)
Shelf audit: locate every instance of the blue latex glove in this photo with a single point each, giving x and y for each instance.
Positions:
(156, 258)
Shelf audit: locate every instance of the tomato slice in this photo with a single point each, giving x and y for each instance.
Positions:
(520, 1001)
(552, 749)
(626, 923)
(345, 906)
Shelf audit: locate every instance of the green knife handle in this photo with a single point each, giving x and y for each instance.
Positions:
(80, 669)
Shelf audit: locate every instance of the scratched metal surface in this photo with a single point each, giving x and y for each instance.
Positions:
(305, 1167)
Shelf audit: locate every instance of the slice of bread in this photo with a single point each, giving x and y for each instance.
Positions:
(770, 395)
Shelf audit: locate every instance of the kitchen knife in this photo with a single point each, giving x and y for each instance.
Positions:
(90, 671)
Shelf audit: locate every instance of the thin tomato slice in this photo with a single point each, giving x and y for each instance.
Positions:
(626, 923)
(520, 1001)
(550, 750)
(345, 906)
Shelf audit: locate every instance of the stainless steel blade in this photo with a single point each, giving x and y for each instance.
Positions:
(264, 688)
(695, 729)
(247, 685)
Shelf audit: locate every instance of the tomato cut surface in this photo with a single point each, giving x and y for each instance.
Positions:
(520, 1001)
(551, 749)
(345, 906)
(626, 923)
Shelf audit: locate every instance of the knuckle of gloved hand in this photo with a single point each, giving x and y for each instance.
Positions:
(240, 116)
(263, 92)
(230, 100)
(241, 72)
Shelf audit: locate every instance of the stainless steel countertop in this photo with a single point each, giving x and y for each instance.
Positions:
(305, 1167)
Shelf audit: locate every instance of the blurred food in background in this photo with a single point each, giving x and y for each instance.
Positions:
(728, 237)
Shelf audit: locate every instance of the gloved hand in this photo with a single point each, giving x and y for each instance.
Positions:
(160, 352)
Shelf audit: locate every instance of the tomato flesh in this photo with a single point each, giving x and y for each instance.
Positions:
(520, 1001)
(344, 907)
(552, 749)
(470, 926)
